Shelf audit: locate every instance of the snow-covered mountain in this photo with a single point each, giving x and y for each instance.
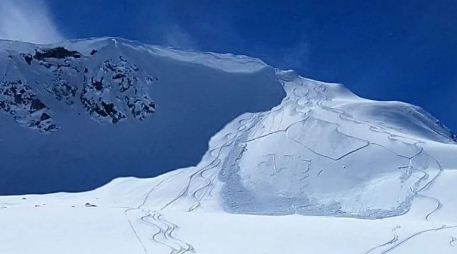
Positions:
(322, 171)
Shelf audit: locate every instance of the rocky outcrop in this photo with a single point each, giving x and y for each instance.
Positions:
(18, 100)
(110, 89)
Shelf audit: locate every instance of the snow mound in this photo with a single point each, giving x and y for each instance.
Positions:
(322, 151)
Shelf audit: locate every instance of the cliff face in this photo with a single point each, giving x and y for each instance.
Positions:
(88, 111)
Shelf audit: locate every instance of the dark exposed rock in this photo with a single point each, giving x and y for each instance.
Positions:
(91, 98)
(63, 91)
(113, 91)
(50, 127)
(37, 104)
(99, 110)
(28, 58)
(98, 85)
(44, 116)
(119, 76)
(18, 100)
(140, 109)
(125, 76)
(58, 52)
(123, 73)
(151, 79)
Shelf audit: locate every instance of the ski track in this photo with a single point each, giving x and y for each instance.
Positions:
(406, 239)
(438, 205)
(137, 236)
(164, 234)
(390, 242)
(167, 232)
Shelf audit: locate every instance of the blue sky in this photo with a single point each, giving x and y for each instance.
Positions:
(386, 50)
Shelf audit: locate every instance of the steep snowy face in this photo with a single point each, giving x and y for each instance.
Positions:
(322, 151)
(92, 110)
(99, 74)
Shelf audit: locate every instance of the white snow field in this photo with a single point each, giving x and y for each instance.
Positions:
(324, 171)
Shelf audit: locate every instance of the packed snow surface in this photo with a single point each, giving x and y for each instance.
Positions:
(322, 171)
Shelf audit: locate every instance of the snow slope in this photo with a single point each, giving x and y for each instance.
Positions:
(323, 171)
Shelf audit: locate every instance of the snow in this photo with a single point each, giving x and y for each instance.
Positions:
(60, 229)
(64, 230)
(322, 171)
(224, 62)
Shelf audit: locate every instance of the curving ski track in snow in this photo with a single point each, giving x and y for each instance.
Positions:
(390, 242)
(437, 202)
(164, 234)
(157, 222)
(406, 239)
